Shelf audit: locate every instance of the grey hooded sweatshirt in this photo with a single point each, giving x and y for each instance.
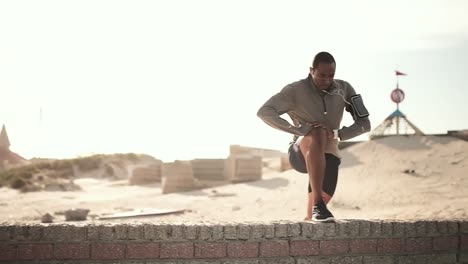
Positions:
(304, 103)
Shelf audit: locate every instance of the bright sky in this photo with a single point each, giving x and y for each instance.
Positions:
(184, 79)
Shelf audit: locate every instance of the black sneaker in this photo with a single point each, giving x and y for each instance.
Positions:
(321, 213)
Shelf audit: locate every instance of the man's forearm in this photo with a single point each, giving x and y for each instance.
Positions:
(272, 118)
(359, 127)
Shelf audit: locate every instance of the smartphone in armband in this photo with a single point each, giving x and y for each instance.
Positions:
(359, 107)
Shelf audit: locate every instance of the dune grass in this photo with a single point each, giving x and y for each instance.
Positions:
(18, 176)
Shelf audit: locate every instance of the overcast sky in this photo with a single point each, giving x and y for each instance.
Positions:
(184, 79)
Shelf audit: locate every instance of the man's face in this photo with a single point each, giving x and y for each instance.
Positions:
(323, 75)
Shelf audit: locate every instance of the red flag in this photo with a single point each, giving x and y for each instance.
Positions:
(399, 73)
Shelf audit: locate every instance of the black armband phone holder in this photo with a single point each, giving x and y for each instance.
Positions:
(360, 109)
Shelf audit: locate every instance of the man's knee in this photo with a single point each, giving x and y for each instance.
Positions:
(317, 137)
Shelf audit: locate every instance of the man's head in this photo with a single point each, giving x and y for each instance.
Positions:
(323, 70)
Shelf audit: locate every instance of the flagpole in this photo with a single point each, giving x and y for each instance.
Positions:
(398, 87)
(397, 106)
(397, 73)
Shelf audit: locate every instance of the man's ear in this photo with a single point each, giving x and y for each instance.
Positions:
(312, 70)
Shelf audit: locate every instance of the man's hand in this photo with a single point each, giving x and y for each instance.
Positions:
(305, 128)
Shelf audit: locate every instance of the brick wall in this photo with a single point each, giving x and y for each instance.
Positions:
(347, 241)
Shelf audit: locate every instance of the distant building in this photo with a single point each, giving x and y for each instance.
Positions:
(461, 134)
(397, 123)
(8, 157)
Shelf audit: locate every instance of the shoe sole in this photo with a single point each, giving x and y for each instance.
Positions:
(329, 219)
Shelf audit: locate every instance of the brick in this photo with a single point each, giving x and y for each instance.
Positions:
(364, 228)
(5, 232)
(177, 250)
(349, 260)
(217, 232)
(205, 233)
(377, 260)
(363, 246)
(387, 229)
(417, 259)
(20, 233)
(442, 227)
(464, 242)
(463, 226)
(321, 230)
(177, 232)
(281, 230)
(71, 251)
(230, 232)
(93, 232)
(375, 229)
(318, 230)
(333, 247)
(410, 229)
(348, 229)
(453, 227)
(257, 231)
(307, 260)
(443, 258)
(294, 230)
(192, 261)
(107, 251)
(463, 258)
(250, 261)
(269, 231)
(7, 252)
(136, 232)
(279, 248)
(446, 243)
(191, 231)
(399, 229)
(390, 245)
(65, 233)
(304, 248)
(244, 232)
(156, 232)
(210, 250)
(110, 232)
(420, 228)
(330, 260)
(35, 251)
(287, 260)
(120, 232)
(35, 232)
(143, 251)
(431, 228)
(316, 260)
(307, 229)
(418, 245)
(330, 229)
(242, 250)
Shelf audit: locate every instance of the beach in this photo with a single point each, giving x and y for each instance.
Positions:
(399, 177)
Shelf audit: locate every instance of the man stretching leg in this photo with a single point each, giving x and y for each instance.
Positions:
(316, 105)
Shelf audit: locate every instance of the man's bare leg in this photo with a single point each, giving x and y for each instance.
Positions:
(313, 148)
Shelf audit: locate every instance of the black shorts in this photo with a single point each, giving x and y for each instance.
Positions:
(332, 163)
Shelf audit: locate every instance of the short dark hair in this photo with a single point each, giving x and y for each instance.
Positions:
(322, 57)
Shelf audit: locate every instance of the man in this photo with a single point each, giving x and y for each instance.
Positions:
(315, 105)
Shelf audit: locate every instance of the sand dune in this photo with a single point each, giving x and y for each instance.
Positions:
(401, 177)
(435, 183)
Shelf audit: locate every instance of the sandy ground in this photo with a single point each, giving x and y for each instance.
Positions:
(372, 185)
